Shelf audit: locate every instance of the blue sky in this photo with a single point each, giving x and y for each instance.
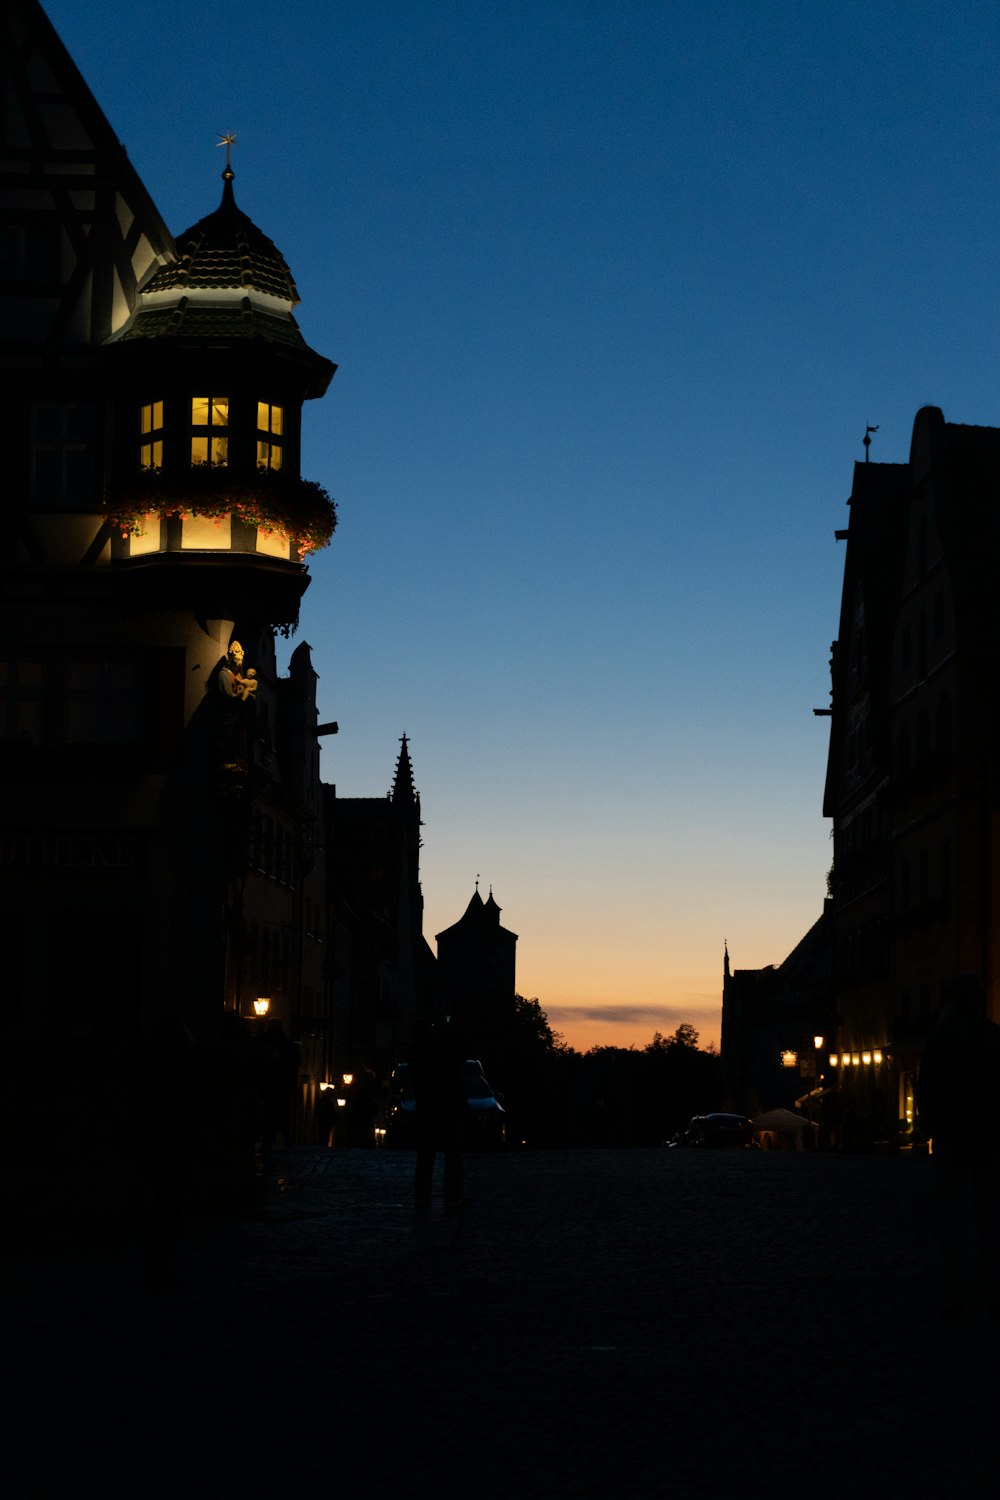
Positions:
(614, 289)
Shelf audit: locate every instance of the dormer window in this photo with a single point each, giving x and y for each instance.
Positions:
(151, 435)
(270, 433)
(210, 430)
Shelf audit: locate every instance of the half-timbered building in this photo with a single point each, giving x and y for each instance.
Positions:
(160, 803)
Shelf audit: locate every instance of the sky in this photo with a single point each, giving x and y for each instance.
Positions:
(614, 288)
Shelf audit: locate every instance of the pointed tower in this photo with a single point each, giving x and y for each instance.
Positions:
(156, 524)
(384, 967)
(476, 965)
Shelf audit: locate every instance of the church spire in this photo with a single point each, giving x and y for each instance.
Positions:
(403, 789)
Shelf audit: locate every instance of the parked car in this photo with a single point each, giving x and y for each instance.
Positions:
(719, 1130)
(485, 1117)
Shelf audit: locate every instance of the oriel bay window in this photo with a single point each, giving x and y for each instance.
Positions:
(151, 435)
(210, 430)
(270, 435)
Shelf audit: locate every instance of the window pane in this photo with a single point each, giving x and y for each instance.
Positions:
(46, 423)
(199, 411)
(79, 423)
(220, 411)
(263, 453)
(220, 450)
(277, 414)
(199, 450)
(79, 473)
(157, 414)
(275, 456)
(46, 478)
(145, 419)
(263, 416)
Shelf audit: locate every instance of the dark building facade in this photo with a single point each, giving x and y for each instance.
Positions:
(913, 792)
(772, 1020)
(382, 970)
(160, 804)
(913, 781)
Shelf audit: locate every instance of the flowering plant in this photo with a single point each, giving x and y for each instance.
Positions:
(271, 501)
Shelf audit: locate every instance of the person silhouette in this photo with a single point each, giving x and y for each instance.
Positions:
(436, 1080)
(956, 1105)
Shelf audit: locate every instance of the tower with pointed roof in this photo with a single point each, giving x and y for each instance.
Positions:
(159, 806)
(476, 964)
(385, 971)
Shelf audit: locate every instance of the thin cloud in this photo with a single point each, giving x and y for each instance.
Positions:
(620, 1015)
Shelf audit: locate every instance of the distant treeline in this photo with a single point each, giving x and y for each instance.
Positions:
(609, 1096)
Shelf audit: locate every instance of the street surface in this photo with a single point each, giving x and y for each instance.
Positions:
(678, 1324)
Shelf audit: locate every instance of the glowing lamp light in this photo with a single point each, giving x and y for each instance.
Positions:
(834, 1059)
(341, 1103)
(877, 1055)
(866, 1058)
(261, 1005)
(818, 1042)
(348, 1079)
(789, 1059)
(855, 1060)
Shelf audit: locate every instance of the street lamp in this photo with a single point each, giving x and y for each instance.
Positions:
(261, 1006)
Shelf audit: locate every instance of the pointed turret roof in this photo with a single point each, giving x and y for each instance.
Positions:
(403, 789)
(228, 282)
(479, 917)
(225, 249)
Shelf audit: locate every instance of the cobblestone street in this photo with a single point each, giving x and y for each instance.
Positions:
(679, 1324)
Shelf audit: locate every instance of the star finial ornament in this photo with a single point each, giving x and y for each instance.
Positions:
(227, 139)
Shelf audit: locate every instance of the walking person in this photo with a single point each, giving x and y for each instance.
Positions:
(436, 1080)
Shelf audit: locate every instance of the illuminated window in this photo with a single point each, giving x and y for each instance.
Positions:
(210, 430)
(151, 435)
(63, 451)
(270, 432)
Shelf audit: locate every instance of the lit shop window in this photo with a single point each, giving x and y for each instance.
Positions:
(210, 430)
(151, 435)
(270, 430)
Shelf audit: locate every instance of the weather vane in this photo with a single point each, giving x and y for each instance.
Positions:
(869, 429)
(227, 139)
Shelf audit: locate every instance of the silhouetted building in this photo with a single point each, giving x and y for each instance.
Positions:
(476, 966)
(382, 967)
(160, 811)
(771, 1019)
(912, 784)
